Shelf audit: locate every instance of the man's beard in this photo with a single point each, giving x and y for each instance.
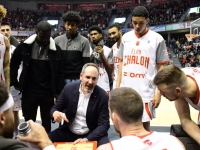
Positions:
(8, 130)
(117, 38)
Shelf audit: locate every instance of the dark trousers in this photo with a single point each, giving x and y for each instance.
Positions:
(30, 103)
(65, 135)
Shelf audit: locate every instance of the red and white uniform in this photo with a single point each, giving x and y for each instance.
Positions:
(194, 74)
(152, 141)
(116, 63)
(103, 80)
(15, 93)
(2, 53)
(140, 56)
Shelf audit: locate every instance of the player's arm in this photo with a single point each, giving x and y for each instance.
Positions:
(6, 64)
(189, 126)
(119, 75)
(157, 98)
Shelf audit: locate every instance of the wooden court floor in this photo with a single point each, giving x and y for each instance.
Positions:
(165, 114)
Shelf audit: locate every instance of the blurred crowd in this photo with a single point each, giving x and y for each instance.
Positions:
(188, 53)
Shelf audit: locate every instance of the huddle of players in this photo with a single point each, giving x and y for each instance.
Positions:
(134, 60)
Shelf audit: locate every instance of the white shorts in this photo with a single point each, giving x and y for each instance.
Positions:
(16, 97)
(149, 112)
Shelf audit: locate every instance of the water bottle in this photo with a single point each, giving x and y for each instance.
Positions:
(23, 129)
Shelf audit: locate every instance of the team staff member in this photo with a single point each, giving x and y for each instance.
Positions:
(86, 104)
(76, 49)
(142, 53)
(41, 79)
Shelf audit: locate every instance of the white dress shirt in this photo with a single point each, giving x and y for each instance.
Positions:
(79, 125)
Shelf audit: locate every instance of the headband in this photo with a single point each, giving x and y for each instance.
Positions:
(8, 104)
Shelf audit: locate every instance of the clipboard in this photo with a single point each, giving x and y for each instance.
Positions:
(91, 145)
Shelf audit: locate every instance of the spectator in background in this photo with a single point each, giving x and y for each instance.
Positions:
(75, 48)
(5, 29)
(102, 56)
(41, 79)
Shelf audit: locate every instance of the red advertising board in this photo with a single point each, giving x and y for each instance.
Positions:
(155, 1)
(123, 4)
(89, 6)
(46, 6)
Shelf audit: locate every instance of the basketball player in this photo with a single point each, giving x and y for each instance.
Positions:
(5, 29)
(102, 56)
(182, 87)
(126, 109)
(4, 53)
(115, 33)
(142, 52)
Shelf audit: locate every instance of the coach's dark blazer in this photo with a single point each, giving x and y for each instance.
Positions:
(97, 115)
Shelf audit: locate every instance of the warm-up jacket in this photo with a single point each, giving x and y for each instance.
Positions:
(76, 51)
(23, 53)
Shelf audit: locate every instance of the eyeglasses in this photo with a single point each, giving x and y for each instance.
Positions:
(3, 30)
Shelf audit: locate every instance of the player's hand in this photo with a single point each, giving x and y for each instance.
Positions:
(84, 140)
(37, 135)
(58, 116)
(156, 101)
(98, 49)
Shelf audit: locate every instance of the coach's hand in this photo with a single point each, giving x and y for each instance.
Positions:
(58, 116)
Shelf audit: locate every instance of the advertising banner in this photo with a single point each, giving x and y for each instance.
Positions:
(89, 6)
(158, 28)
(149, 2)
(123, 4)
(176, 26)
(45, 6)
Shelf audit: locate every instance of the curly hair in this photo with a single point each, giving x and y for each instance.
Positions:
(95, 27)
(72, 16)
(3, 11)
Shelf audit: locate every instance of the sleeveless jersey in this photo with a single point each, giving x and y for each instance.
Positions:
(140, 56)
(103, 80)
(116, 63)
(194, 74)
(2, 53)
(153, 141)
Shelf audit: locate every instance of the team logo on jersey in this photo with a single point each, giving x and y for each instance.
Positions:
(137, 43)
(148, 142)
